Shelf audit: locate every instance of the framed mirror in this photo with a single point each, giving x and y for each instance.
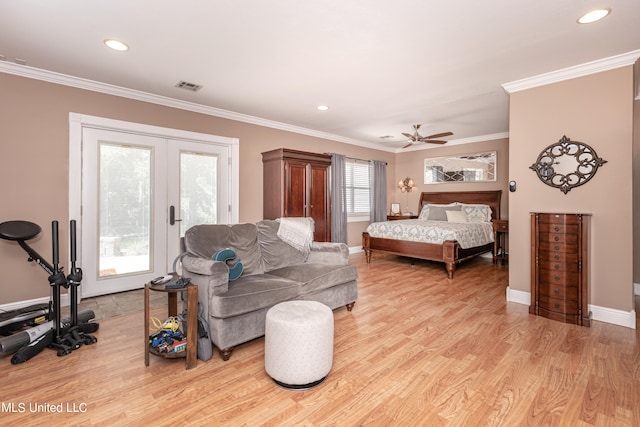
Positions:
(567, 164)
(476, 167)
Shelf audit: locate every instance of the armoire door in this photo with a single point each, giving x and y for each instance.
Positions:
(296, 193)
(319, 206)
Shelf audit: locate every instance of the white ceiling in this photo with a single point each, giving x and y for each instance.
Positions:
(381, 66)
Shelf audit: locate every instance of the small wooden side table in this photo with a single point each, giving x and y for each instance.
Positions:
(190, 353)
(500, 232)
(397, 217)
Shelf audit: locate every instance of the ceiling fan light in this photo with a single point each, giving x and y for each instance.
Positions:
(593, 16)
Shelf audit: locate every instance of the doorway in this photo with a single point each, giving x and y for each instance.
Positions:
(141, 188)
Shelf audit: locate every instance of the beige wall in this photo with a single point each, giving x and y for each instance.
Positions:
(636, 190)
(34, 150)
(597, 110)
(34, 174)
(411, 164)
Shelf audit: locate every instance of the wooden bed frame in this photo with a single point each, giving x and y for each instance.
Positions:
(448, 252)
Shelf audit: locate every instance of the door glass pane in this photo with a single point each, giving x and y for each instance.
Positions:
(198, 190)
(124, 210)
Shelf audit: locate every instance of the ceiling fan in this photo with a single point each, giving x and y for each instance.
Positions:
(416, 137)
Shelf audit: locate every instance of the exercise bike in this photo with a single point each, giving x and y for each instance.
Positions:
(63, 336)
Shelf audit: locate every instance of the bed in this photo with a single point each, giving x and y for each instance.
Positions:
(450, 252)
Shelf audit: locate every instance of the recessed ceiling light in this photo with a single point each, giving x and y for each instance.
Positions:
(593, 16)
(322, 108)
(116, 45)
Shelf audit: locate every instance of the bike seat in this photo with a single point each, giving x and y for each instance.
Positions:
(19, 230)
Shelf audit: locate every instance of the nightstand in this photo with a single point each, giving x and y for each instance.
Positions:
(397, 217)
(500, 232)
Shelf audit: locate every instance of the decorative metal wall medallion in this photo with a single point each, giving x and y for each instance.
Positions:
(567, 164)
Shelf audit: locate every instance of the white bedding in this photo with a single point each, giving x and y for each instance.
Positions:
(468, 234)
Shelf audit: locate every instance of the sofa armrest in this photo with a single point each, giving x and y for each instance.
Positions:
(212, 275)
(329, 253)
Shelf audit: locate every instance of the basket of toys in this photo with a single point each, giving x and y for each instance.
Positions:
(168, 340)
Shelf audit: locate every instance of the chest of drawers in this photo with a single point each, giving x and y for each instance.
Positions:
(560, 267)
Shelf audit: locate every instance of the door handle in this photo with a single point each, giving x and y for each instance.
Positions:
(172, 215)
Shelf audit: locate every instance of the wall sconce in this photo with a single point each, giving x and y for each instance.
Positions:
(406, 185)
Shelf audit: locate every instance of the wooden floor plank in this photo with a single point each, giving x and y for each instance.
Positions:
(418, 349)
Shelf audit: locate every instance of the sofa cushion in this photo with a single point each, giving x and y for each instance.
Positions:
(312, 277)
(276, 253)
(251, 293)
(204, 240)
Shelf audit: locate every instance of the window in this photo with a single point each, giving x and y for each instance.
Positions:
(357, 188)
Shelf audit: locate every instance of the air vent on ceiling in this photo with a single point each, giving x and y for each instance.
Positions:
(188, 86)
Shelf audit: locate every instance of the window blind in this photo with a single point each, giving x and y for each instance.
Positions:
(357, 187)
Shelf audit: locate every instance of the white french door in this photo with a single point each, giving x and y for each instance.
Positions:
(139, 193)
(195, 190)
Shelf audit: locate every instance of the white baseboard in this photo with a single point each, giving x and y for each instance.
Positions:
(601, 314)
(519, 297)
(616, 317)
(64, 301)
(355, 249)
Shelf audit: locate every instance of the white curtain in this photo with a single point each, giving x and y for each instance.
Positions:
(338, 199)
(378, 191)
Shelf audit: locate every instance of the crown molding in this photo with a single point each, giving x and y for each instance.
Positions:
(94, 86)
(593, 67)
(636, 76)
(481, 138)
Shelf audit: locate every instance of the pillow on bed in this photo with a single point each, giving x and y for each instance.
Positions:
(456, 216)
(424, 212)
(477, 213)
(439, 213)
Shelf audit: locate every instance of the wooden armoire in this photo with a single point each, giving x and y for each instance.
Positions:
(296, 184)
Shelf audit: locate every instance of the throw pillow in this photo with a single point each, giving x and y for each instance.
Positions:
(226, 254)
(477, 213)
(438, 213)
(456, 216)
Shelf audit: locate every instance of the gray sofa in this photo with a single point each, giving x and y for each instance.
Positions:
(274, 272)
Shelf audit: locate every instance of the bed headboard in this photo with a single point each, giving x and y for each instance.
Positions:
(491, 198)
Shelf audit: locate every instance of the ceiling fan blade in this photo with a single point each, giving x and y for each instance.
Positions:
(408, 135)
(408, 145)
(434, 141)
(439, 135)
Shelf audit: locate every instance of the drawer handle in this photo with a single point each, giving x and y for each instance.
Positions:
(556, 291)
(556, 257)
(556, 266)
(557, 247)
(557, 228)
(556, 238)
(556, 277)
(556, 305)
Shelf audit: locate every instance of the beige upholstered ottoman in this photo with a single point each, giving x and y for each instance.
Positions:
(298, 348)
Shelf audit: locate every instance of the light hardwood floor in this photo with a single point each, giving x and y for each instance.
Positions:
(417, 349)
